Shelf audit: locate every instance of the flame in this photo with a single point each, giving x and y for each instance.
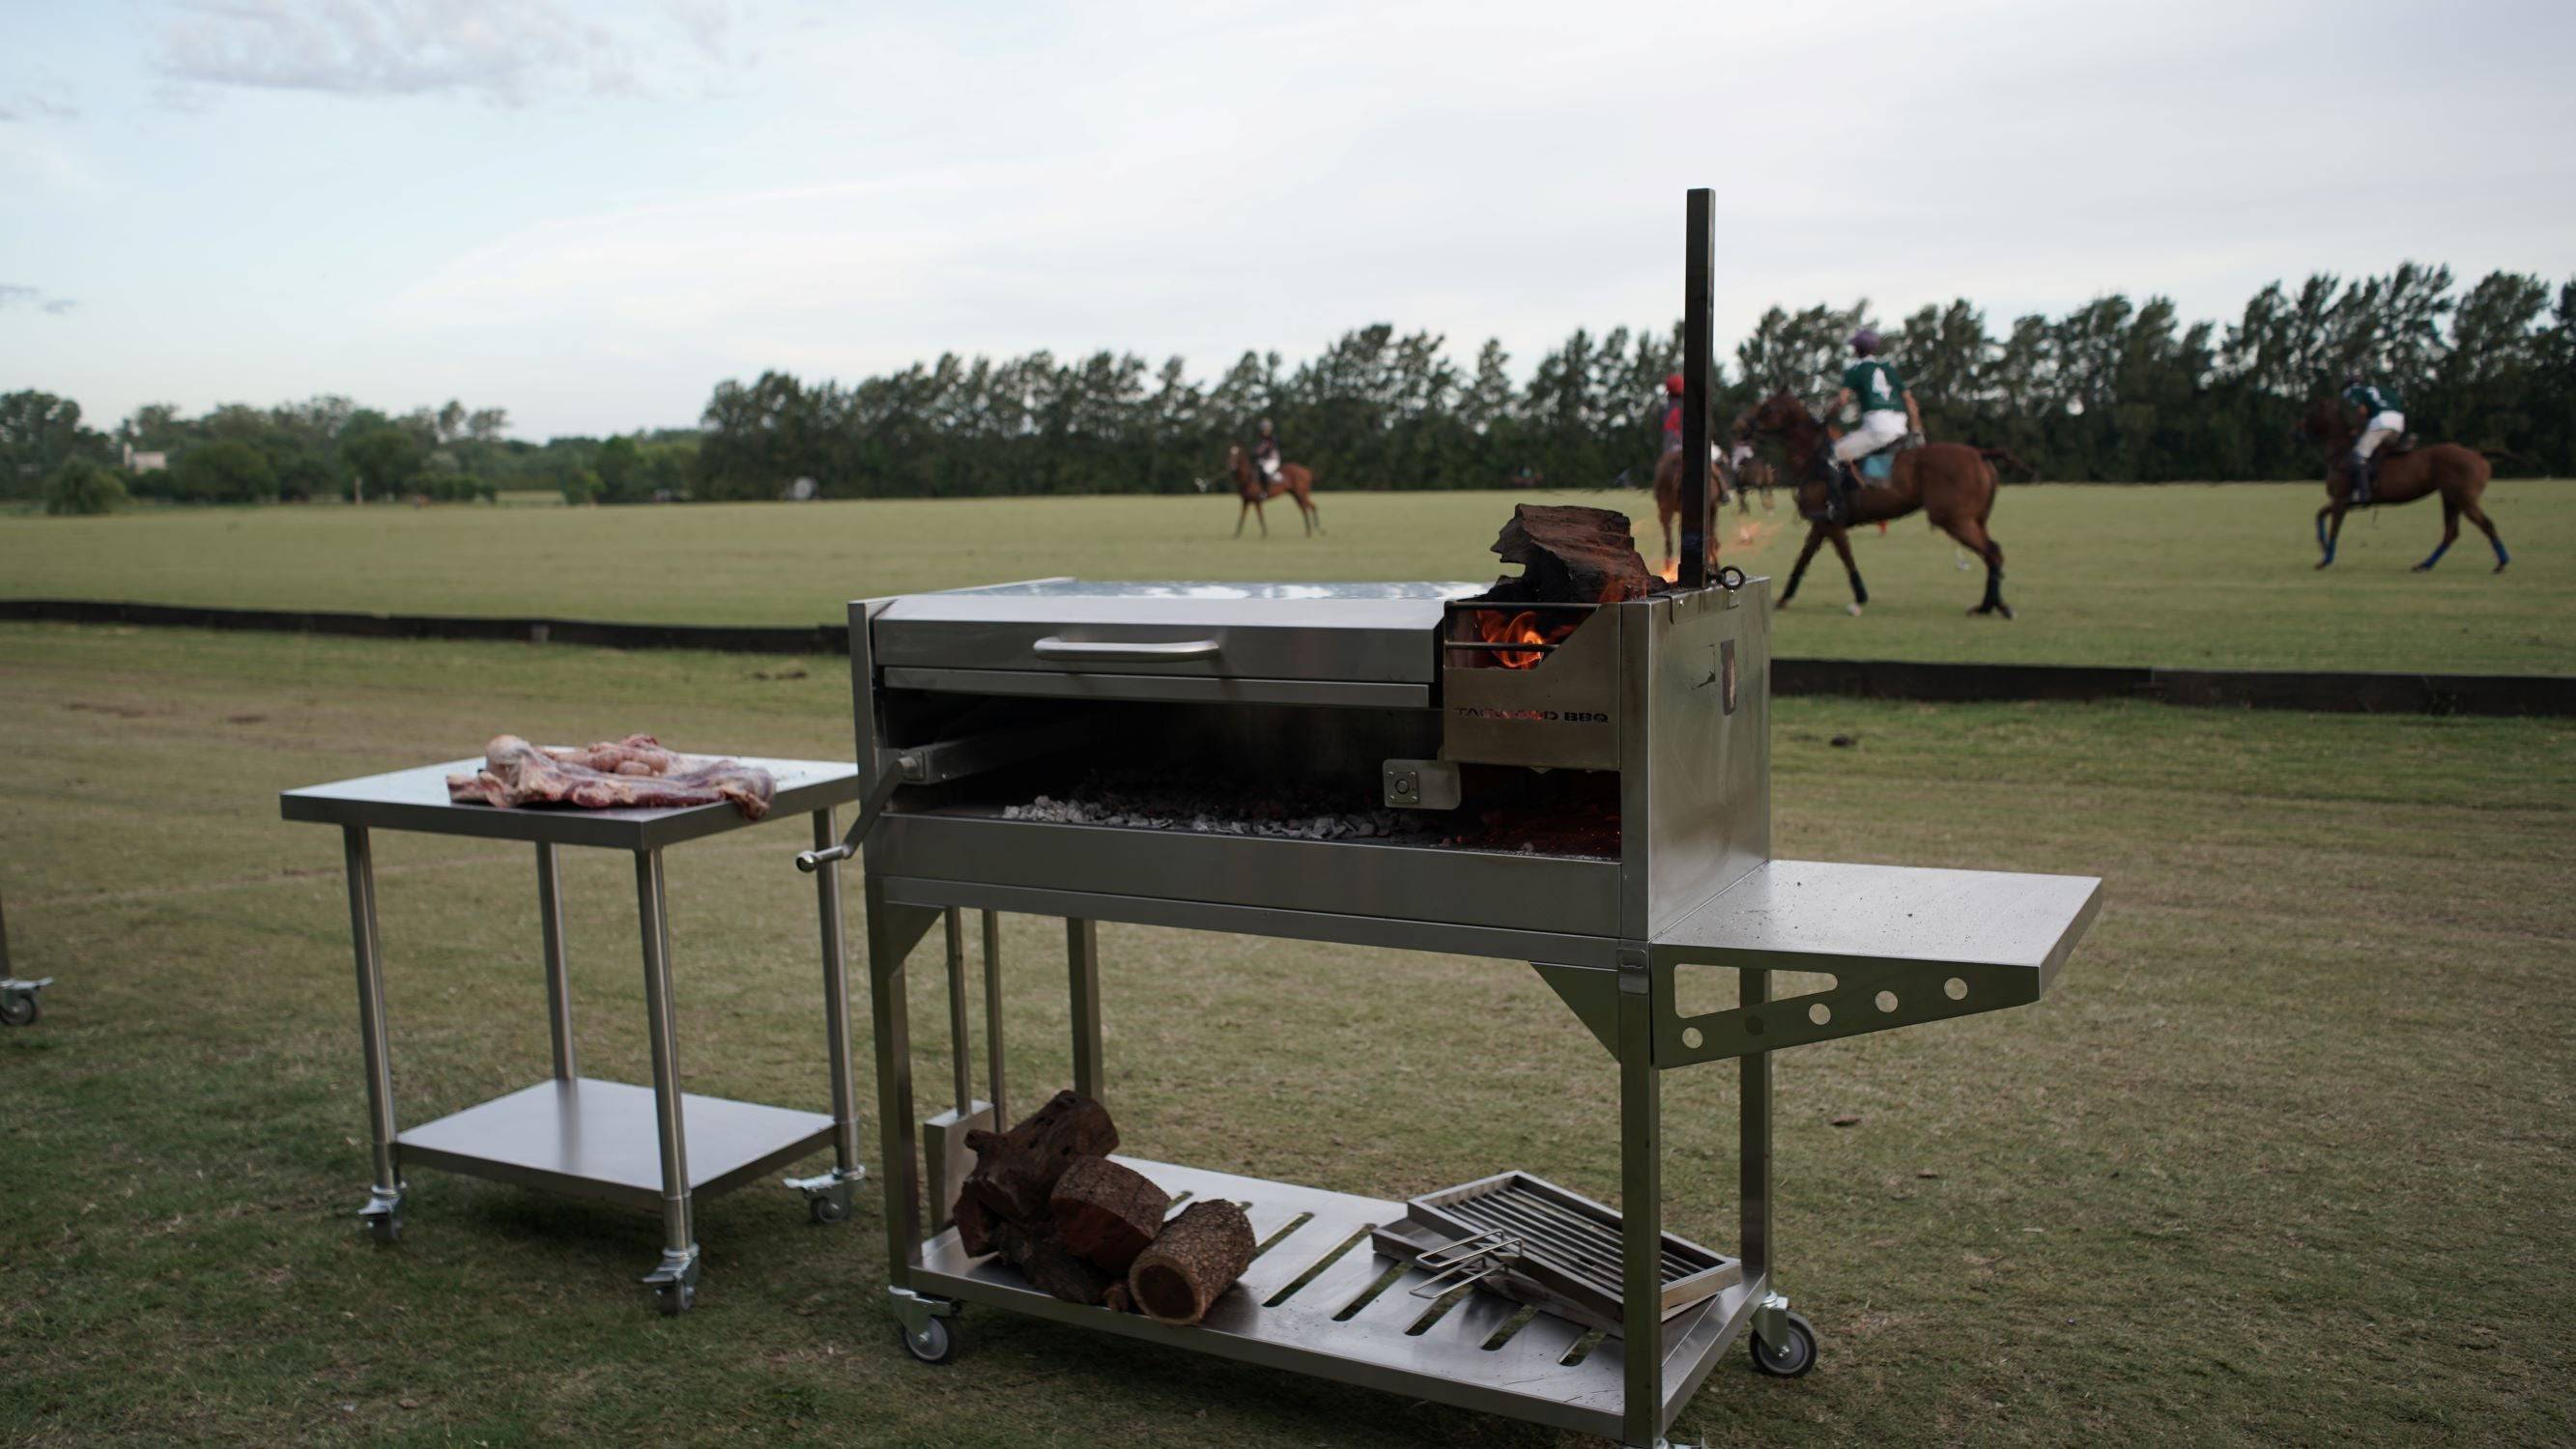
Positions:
(1671, 572)
(1520, 628)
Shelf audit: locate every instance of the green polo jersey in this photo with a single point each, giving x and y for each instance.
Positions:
(1876, 384)
(2374, 399)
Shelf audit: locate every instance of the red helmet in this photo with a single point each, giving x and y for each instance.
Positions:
(1673, 384)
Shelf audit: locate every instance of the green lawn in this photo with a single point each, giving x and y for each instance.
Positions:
(2178, 575)
(2284, 1157)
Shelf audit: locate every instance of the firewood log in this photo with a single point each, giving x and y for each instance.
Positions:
(974, 1226)
(1572, 555)
(1107, 1212)
(1198, 1256)
(1050, 1266)
(1016, 1170)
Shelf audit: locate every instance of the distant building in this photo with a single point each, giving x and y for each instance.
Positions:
(145, 462)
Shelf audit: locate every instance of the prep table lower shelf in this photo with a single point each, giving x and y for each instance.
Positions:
(595, 1139)
(1306, 1330)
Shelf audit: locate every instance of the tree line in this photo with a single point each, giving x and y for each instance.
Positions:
(2110, 391)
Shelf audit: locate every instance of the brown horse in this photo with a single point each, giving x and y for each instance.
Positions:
(1756, 473)
(1952, 483)
(2458, 474)
(1294, 480)
(1668, 499)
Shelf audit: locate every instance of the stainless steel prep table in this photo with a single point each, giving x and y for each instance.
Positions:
(580, 1135)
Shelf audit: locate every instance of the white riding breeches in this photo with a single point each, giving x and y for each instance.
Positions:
(2383, 426)
(1270, 469)
(1876, 431)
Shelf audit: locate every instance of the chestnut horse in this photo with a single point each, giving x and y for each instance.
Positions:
(1668, 498)
(1755, 473)
(1294, 480)
(2458, 474)
(1952, 483)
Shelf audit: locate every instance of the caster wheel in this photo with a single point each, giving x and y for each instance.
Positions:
(673, 1299)
(827, 1209)
(1792, 1358)
(385, 1229)
(20, 1009)
(935, 1343)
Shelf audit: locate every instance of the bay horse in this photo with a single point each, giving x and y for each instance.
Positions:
(1294, 480)
(1668, 498)
(1756, 473)
(2458, 474)
(1952, 483)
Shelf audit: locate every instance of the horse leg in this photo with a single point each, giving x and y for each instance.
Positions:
(1261, 515)
(2478, 515)
(1797, 571)
(2450, 535)
(2330, 529)
(1306, 513)
(1243, 511)
(1842, 550)
(1973, 536)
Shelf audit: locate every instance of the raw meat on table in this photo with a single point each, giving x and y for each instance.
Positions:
(634, 773)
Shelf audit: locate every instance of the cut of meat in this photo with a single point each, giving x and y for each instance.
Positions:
(634, 773)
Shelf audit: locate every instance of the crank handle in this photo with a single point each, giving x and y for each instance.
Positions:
(895, 773)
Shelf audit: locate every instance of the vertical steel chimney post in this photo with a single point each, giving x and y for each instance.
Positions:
(1698, 263)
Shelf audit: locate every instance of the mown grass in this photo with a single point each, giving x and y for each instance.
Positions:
(2178, 575)
(2284, 1157)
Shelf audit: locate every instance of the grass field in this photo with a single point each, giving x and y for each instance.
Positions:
(2178, 575)
(2284, 1157)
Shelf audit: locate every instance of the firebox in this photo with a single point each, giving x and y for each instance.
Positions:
(1582, 787)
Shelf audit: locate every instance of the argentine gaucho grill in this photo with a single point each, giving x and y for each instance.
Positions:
(1505, 757)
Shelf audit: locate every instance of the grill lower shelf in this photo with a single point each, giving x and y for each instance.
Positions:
(1315, 1330)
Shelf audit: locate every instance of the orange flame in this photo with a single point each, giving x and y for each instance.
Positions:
(1520, 628)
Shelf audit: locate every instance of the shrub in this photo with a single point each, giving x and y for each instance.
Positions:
(81, 487)
(224, 473)
(581, 486)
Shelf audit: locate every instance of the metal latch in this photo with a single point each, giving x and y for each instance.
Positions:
(1422, 784)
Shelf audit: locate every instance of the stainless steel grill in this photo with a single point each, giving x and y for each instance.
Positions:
(1603, 814)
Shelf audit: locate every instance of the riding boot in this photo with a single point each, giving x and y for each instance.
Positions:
(2360, 482)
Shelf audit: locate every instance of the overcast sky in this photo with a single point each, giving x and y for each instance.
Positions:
(589, 214)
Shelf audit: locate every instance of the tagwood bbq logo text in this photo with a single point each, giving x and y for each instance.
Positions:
(1535, 716)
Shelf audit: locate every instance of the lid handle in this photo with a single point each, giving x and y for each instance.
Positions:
(1137, 652)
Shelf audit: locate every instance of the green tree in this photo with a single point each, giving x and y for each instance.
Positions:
(81, 487)
(40, 432)
(383, 460)
(227, 471)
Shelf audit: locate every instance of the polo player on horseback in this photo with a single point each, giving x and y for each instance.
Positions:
(1888, 415)
(1673, 413)
(2381, 415)
(1265, 453)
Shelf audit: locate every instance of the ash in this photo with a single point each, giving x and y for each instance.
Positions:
(1219, 809)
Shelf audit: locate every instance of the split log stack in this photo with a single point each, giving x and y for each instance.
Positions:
(1046, 1197)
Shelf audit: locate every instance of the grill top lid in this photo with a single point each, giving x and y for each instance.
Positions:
(1072, 588)
(1350, 632)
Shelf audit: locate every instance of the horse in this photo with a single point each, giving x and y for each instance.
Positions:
(1294, 480)
(2458, 474)
(1756, 473)
(1952, 483)
(1668, 496)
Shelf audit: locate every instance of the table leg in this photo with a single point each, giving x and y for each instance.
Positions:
(550, 924)
(1784, 1343)
(993, 1016)
(827, 1197)
(382, 1216)
(1641, 1216)
(961, 1047)
(675, 1280)
(1082, 961)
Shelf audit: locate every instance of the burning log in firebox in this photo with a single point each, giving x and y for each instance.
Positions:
(1568, 556)
(1046, 1197)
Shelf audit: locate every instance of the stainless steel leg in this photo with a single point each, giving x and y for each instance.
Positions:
(1755, 1183)
(550, 924)
(382, 1216)
(827, 1196)
(1082, 960)
(674, 1281)
(1641, 1214)
(993, 1017)
(890, 1016)
(961, 1047)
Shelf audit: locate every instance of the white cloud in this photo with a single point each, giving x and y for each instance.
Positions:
(509, 53)
(13, 295)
